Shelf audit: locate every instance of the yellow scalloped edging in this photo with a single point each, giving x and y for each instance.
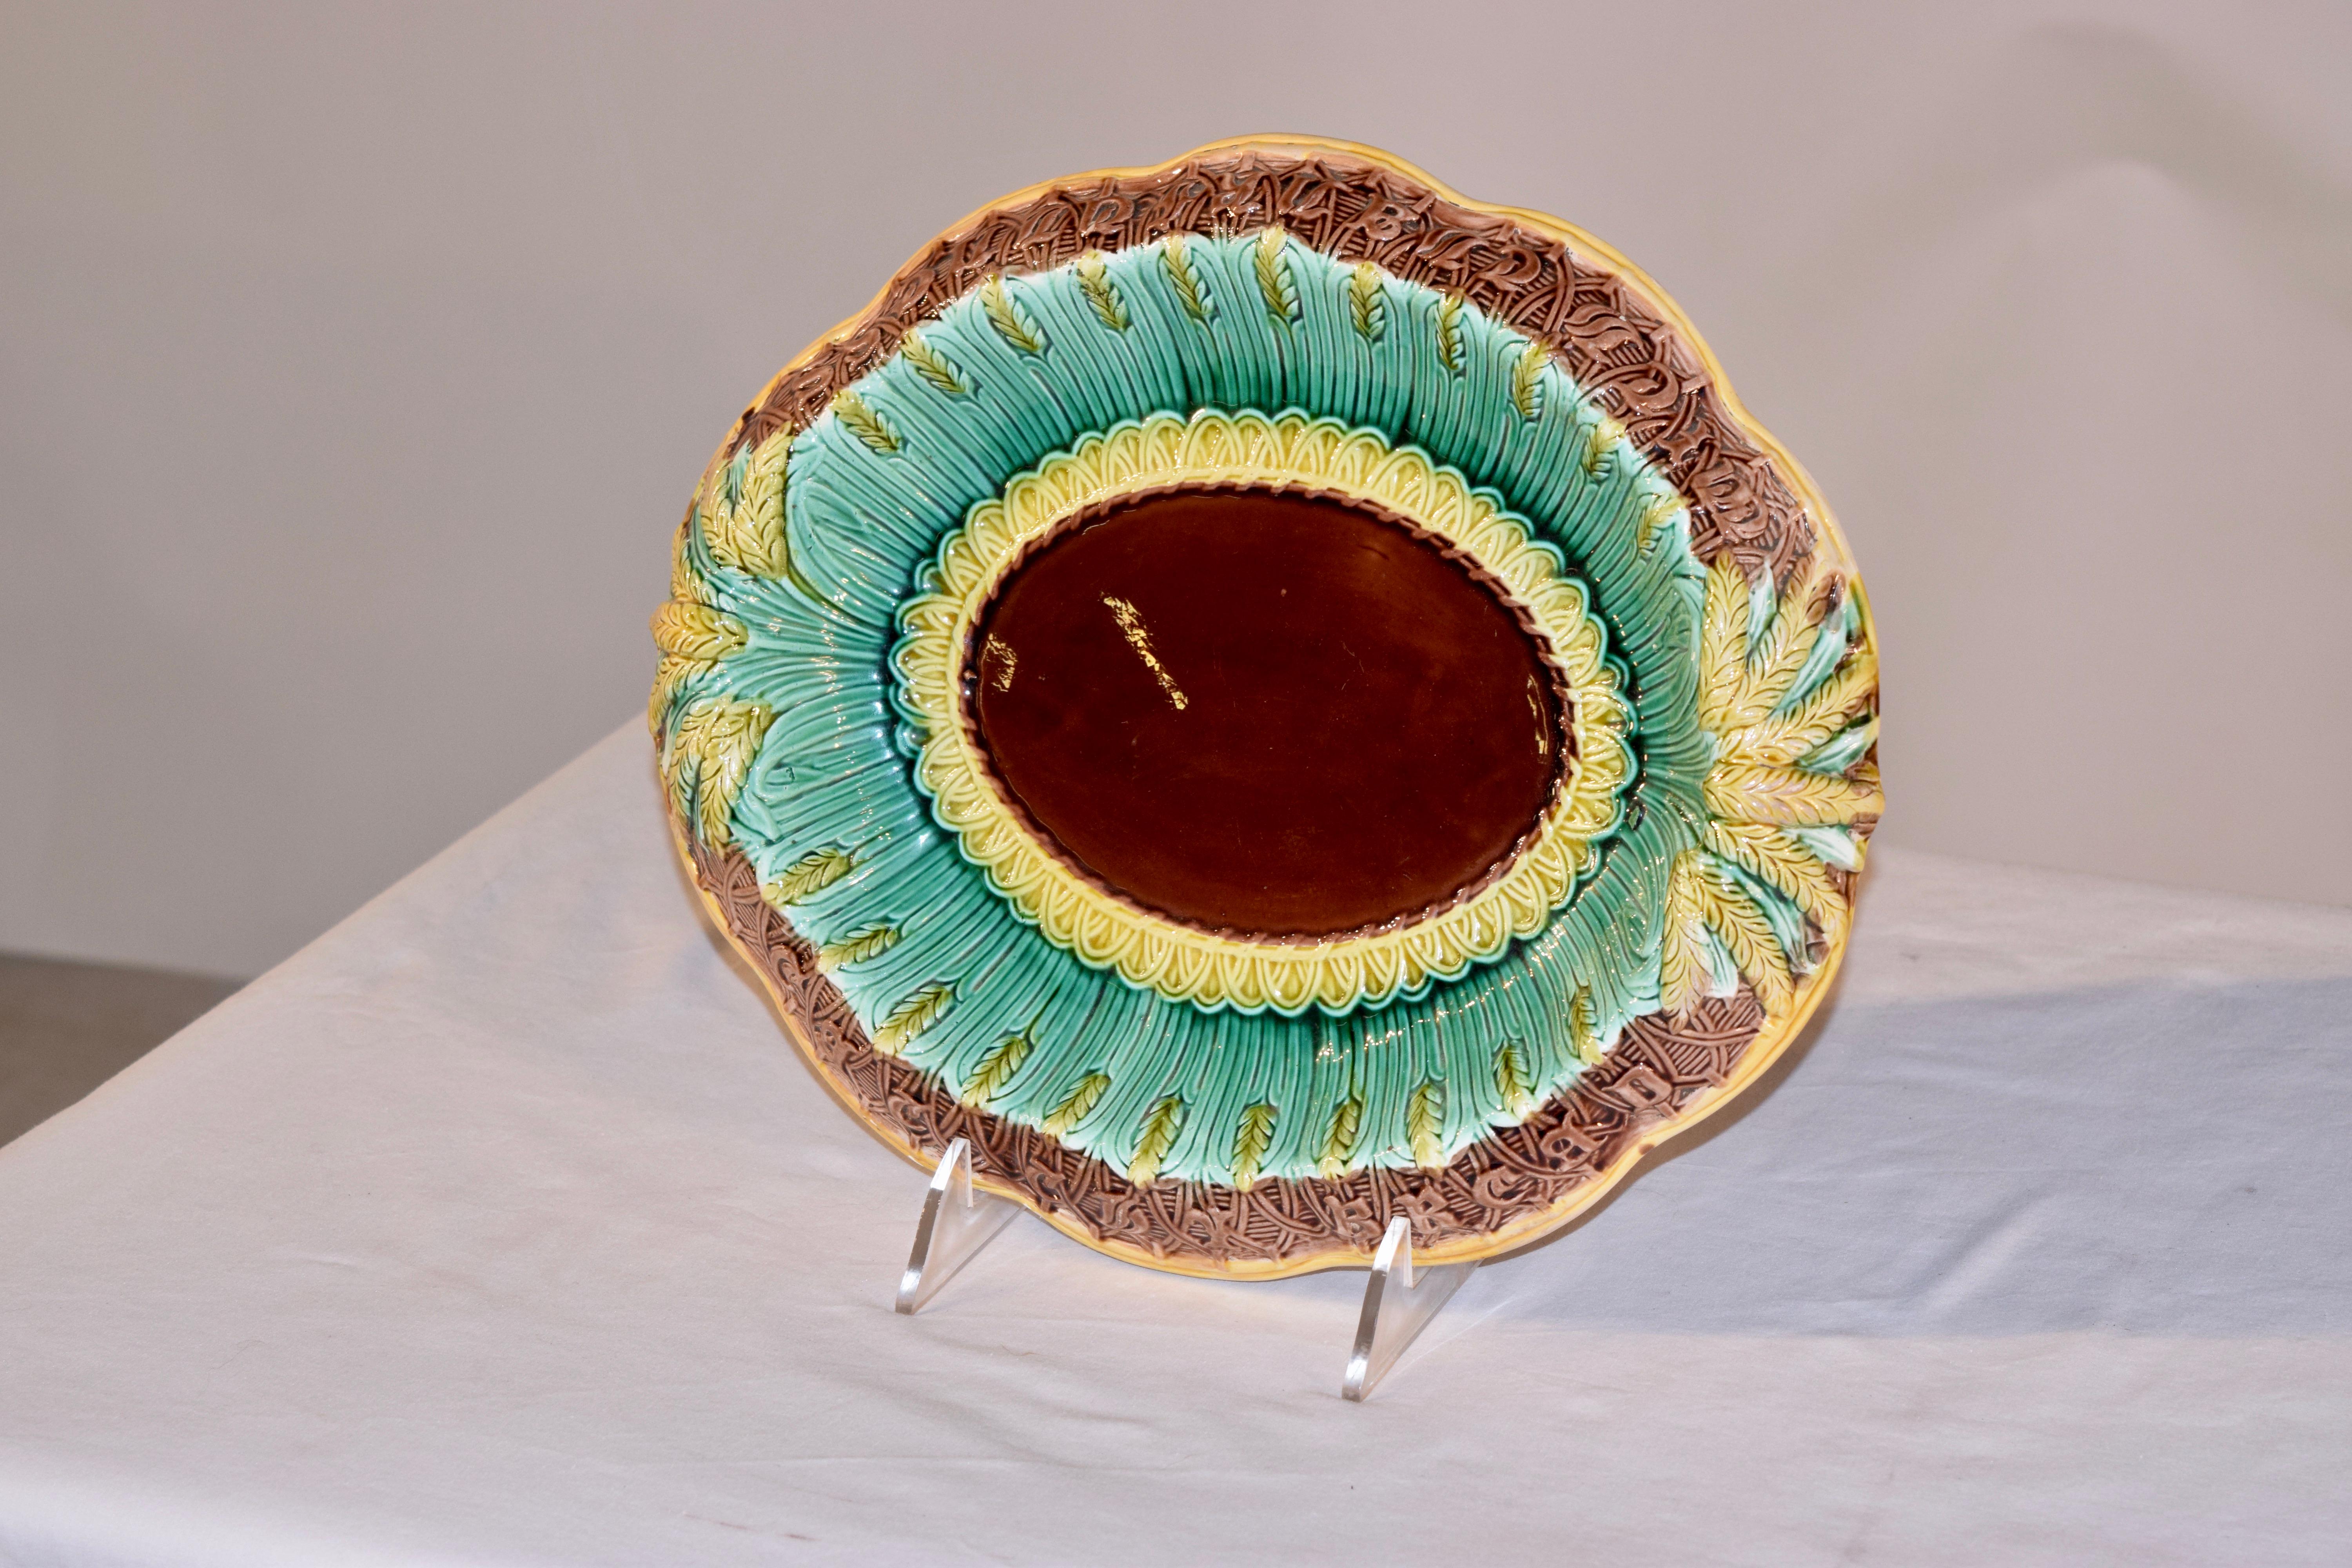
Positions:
(1181, 962)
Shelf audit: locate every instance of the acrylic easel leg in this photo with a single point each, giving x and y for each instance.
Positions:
(1398, 1302)
(957, 1222)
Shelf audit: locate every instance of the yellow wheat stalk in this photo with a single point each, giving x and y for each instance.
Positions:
(1527, 380)
(691, 630)
(1274, 276)
(747, 533)
(1250, 1142)
(858, 947)
(861, 421)
(1367, 302)
(1654, 517)
(1605, 434)
(932, 365)
(686, 584)
(1449, 333)
(1424, 1124)
(1007, 318)
(1186, 282)
(1792, 798)
(1781, 862)
(912, 1018)
(1781, 653)
(711, 749)
(1074, 1110)
(1748, 936)
(1821, 714)
(1340, 1140)
(1583, 1037)
(1512, 1080)
(1161, 1125)
(806, 877)
(692, 635)
(1094, 276)
(996, 1070)
(1682, 972)
(670, 672)
(1722, 642)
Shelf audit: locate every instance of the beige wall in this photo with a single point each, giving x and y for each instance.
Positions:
(355, 363)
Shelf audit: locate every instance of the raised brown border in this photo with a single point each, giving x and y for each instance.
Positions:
(1660, 1071)
(1608, 323)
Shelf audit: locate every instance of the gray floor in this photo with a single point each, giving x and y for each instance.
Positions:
(65, 1029)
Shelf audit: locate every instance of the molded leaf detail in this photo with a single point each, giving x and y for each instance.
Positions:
(1165, 1119)
(1655, 516)
(1367, 302)
(872, 941)
(912, 1018)
(1581, 1036)
(1792, 798)
(707, 754)
(1786, 737)
(694, 631)
(1449, 333)
(1762, 801)
(1074, 1110)
(1340, 1142)
(1094, 276)
(1682, 956)
(1511, 1078)
(1722, 642)
(807, 877)
(1274, 279)
(1186, 282)
(996, 1069)
(1603, 438)
(1011, 323)
(742, 508)
(1527, 380)
(1749, 938)
(1785, 864)
(669, 674)
(692, 636)
(861, 421)
(932, 365)
(1250, 1143)
(685, 582)
(1781, 652)
(1424, 1124)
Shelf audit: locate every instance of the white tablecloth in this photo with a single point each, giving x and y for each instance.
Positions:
(502, 1226)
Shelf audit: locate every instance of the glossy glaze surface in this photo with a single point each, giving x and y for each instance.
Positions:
(1202, 1101)
(1180, 960)
(1263, 712)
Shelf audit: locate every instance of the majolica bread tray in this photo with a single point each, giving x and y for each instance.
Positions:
(1270, 696)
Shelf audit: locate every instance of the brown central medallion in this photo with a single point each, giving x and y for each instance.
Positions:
(1269, 713)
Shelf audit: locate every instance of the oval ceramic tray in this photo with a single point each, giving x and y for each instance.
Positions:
(1270, 696)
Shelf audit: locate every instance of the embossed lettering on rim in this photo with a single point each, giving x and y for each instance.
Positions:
(1210, 969)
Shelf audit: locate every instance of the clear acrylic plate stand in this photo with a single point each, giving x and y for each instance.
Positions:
(957, 1222)
(1399, 1300)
